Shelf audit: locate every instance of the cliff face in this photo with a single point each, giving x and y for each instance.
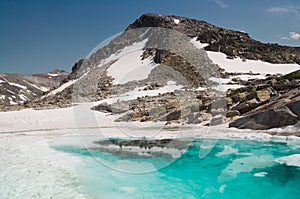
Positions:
(232, 43)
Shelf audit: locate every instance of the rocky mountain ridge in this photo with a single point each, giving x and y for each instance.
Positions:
(18, 89)
(232, 43)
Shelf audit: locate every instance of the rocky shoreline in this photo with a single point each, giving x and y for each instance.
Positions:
(261, 104)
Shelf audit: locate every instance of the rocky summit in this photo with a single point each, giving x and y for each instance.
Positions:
(177, 70)
(232, 43)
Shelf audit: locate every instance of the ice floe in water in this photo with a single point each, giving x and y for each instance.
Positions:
(227, 151)
(260, 174)
(222, 188)
(246, 164)
(291, 160)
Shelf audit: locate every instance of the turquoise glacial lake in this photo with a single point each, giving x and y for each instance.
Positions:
(231, 169)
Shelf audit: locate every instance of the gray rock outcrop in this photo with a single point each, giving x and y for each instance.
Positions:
(270, 118)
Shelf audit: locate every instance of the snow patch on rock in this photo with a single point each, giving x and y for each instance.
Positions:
(177, 21)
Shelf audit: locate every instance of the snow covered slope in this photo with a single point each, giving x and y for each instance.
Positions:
(129, 65)
(239, 65)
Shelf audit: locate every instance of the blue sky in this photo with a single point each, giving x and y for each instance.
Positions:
(39, 35)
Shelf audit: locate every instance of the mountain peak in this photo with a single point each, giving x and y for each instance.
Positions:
(230, 42)
(181, 24)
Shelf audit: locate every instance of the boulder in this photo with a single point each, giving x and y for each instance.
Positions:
(125, 118)
(263, 95)
(194, 107)
(111, 108)
(271, 118)
(218, 119)
(247, 106)
(294, 107)
(175, 115)
(282, 85)
(193, 118)
(239, 97)
(252, 95)
(232, 113)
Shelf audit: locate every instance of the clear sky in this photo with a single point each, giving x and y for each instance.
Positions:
(39, 35)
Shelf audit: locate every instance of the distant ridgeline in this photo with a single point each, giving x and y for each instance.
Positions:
(18, 89)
